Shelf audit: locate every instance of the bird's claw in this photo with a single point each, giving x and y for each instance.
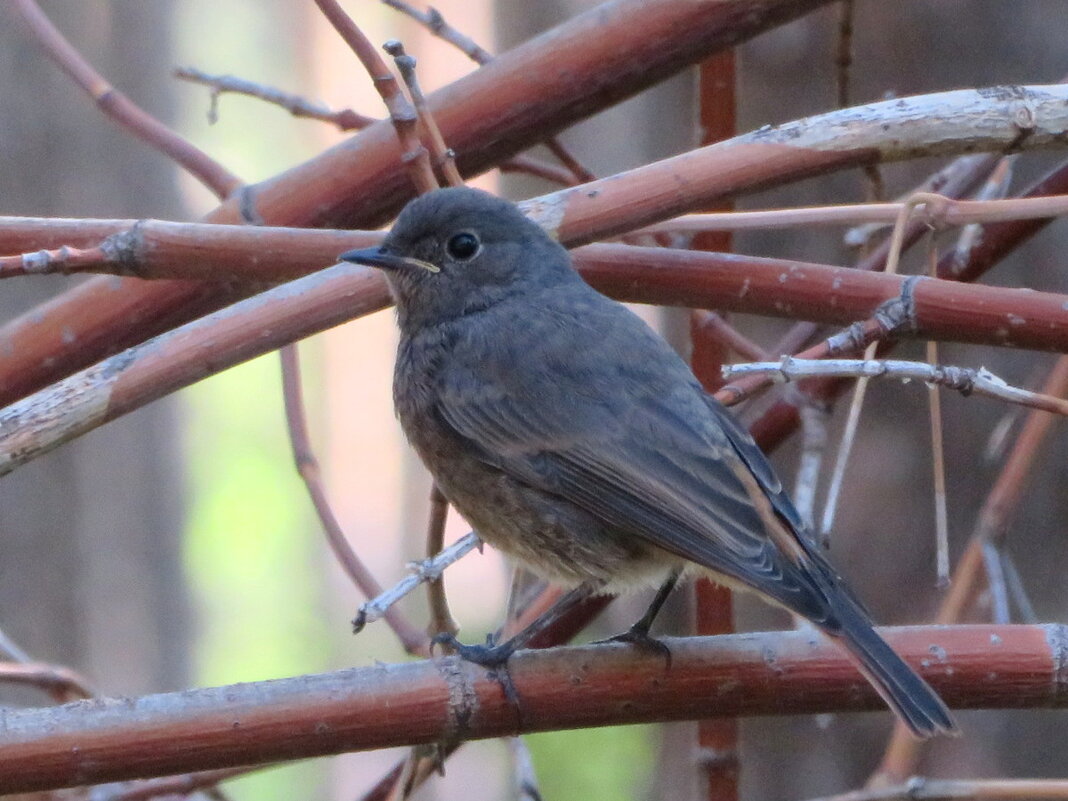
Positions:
(490, 656)
(640, 638)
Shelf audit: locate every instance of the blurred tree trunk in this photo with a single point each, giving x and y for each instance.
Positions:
(90, 563)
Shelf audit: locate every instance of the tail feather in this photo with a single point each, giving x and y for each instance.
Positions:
(910, 697)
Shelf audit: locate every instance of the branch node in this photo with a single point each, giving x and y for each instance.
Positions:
(463, 700)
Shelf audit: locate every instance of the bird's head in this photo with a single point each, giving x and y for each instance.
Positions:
(455, 251)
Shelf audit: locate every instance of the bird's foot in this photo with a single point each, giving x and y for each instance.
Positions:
(639, 637)
(490, 656)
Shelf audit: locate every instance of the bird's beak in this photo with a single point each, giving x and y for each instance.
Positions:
(377, 257)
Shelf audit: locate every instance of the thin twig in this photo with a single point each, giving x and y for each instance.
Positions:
(307, 465)
(62, 683)
(861, 387)
(11, 650)
(938, 458)
(1017, 589)
(712, 325)
(927, 208)
(996, 187)
(444, 159)
(995, 580)
(65, 260)
(902, 751)
(345, 119)
(965, 380)
(528, 165)
(441, 619)
(814, 419)
(173, 785)
(436, 24)
(427, 570)
(433, 20)
(415, 156)
(120, 108)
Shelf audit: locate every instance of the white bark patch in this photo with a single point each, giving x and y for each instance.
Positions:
(46, 419)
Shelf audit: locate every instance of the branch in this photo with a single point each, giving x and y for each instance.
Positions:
(449, 700)
(932, 210)
(360, 183)
(963, 379)
(63, 684)
(934, 309)
(308, 469)
(436, 24)
(1009, 118)
(345, 119)
(120, 108)
(430, 569)
(402, 115)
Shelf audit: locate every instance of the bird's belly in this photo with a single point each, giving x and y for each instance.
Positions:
(551, 536)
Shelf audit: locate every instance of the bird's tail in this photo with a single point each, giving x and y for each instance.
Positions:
(909, 696)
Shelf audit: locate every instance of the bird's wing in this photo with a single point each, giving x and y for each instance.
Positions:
(647, 454)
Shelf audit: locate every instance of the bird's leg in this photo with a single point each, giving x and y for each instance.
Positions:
(638, 634)
(493, 655)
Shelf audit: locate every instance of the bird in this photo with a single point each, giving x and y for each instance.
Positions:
(574, 439)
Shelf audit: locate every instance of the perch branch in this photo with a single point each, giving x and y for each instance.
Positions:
(569, 687)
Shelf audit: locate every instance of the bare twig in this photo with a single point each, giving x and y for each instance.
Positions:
(345, 119)
(436, 24)
(996, 187)
(444, 159)
(441, 619)
(433, 20)
(11, 651)
(308, 468)
(963, 379)
(813, 446)
(938, 458)
(1016, 588)
(995, 580)
(172, 785)
(853, 420)
(712, 324)
(928, 208)
(428, 570)
(120, 108)
(65, 260)
(902, 751)
(405, 120)
(63, 684)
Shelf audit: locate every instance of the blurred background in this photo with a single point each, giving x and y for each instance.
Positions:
(177, 547)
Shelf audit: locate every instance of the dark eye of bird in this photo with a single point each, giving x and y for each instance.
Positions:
(463, 246)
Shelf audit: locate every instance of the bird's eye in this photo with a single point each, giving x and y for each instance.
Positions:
(463, 246)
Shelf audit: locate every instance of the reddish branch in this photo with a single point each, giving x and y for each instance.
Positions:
(584, 65)
(596, 210)
(937, 309)
(448, 700)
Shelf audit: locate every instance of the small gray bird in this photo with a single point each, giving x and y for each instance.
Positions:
(574, 439)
